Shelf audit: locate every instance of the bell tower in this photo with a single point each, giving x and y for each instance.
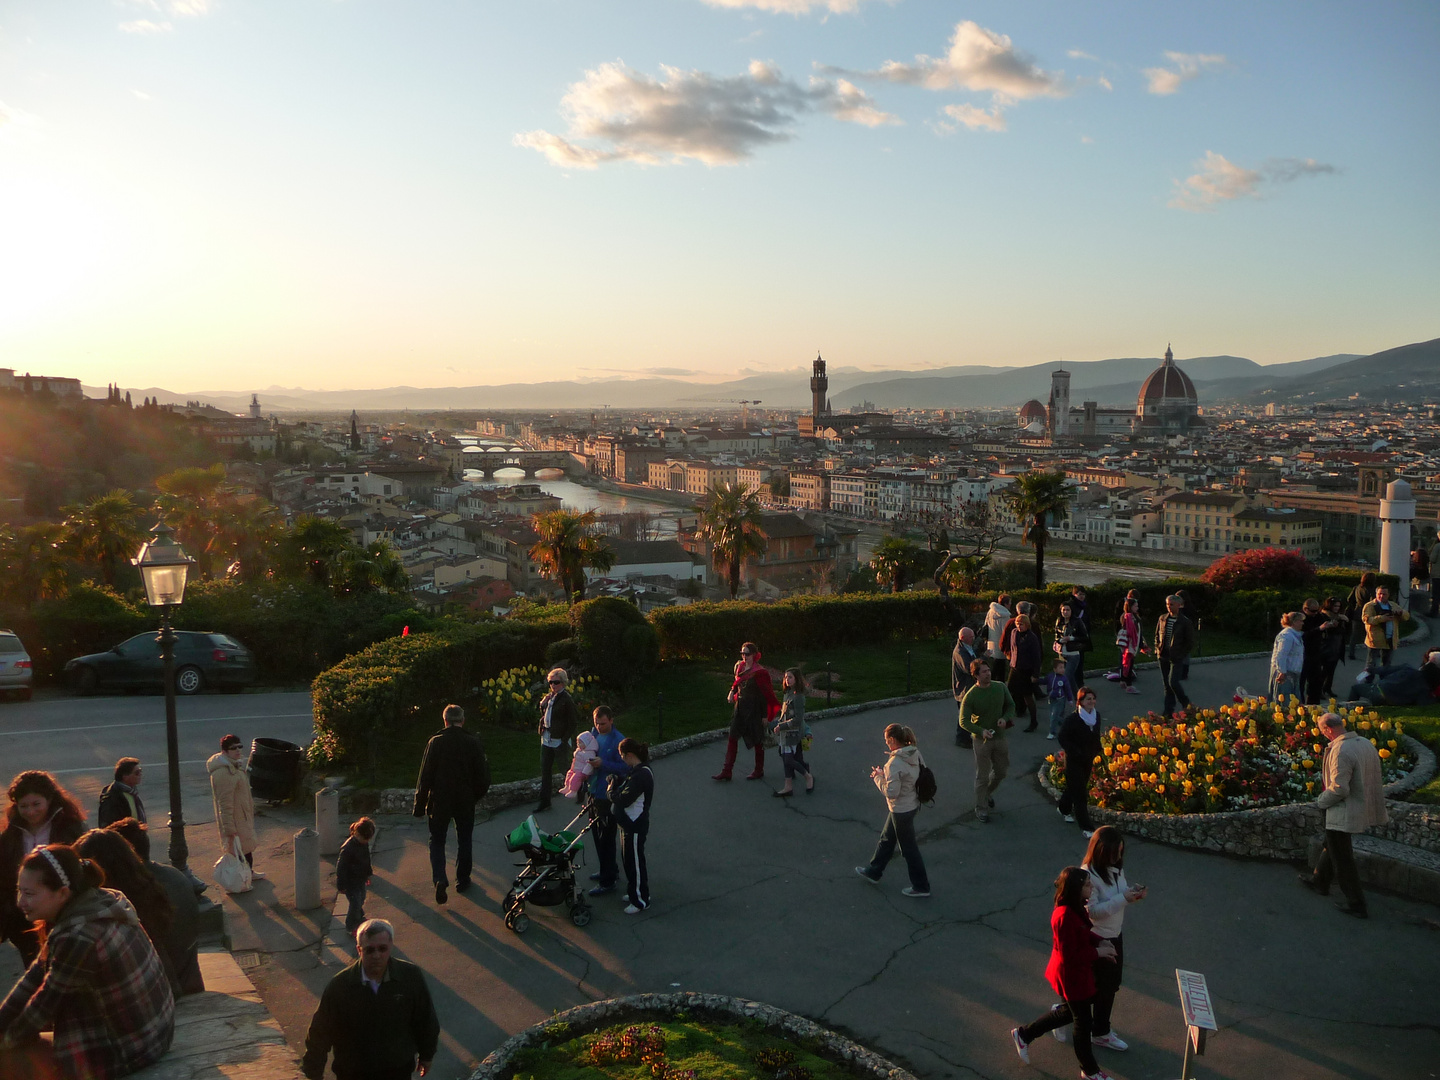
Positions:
(819, 384)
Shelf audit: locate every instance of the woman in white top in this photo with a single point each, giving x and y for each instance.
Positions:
(1110, 895)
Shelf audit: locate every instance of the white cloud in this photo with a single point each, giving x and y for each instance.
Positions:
(1081, 54)
(980, 60)
(140, 94)
(1221, 180)
(1087, 140)
(145, 26)
(791, 7)
(1187, 66)
(190, 7)
(976, 118)
(624, 115)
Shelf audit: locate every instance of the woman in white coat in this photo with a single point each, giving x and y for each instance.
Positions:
(1110, 895)
(234, 808)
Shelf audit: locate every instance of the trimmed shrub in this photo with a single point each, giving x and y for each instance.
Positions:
(1261, 568)
(615, 642)
(379, 693)
(91, 618)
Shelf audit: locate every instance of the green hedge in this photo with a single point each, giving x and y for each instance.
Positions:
(294, 630)
(375, 697)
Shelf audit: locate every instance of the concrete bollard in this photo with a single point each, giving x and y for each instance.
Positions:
(307, 870)
(327, 820)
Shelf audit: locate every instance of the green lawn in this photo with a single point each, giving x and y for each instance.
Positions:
(682, 698)
(1421, 722)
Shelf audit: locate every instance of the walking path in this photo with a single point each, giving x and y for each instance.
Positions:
(757, 897)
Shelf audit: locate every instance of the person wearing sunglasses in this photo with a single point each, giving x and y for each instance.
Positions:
(752, 695)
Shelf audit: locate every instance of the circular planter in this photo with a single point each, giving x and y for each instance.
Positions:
(584, 1019)
(1269, 832)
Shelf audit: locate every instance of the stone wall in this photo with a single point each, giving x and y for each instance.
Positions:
(1276, 832)
(584, 1019)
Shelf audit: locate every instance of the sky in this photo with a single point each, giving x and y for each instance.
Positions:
(238, 194)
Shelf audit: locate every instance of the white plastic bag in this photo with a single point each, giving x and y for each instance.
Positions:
(232, 872)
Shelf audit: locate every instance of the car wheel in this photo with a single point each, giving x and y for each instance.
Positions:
(188, 680)
(87, 681)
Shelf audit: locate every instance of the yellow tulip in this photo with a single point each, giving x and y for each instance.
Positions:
(1392, 744)
(1384, 753)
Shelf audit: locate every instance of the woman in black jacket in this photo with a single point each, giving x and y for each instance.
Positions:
(1025, 656)
(1080, 739)
(557, 728)
(1072, 641)
(630, 798)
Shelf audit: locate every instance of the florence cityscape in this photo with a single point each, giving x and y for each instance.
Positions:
(415, 403)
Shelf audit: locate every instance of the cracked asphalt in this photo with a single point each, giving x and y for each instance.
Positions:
(757, 897)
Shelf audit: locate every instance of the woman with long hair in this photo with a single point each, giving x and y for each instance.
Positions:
(127, 875)
(1075, 949)
(1025, 659)
(896, 780)
(1080, 739)
(97, 983)
(790, 731)
(1110, 895)
(40, 812)
(1131, 643)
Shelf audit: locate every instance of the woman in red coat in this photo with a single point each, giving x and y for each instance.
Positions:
(1071, 972)
(753, 696)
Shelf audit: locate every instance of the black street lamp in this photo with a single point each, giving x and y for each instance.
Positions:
(164, 567)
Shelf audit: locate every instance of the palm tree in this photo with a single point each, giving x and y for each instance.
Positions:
(248, 534)
(893, 559)
(1038, 496)
(190, 503)
(372, 568)
(730, 522)
(569, 542)
(32, 563)
(313, 548)
(104, 531)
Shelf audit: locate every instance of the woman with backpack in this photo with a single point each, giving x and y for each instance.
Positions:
(903, 780)
(791, 732)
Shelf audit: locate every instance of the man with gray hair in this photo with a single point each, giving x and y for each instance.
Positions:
(1353, 801)
(961, 657)
(376, 1015)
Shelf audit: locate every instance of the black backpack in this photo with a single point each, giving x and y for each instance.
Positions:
(925, 786)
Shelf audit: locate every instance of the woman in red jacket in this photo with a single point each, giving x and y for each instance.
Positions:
(1071, 972)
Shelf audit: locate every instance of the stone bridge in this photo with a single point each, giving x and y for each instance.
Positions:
(488, 459)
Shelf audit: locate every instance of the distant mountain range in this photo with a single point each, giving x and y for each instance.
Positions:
(1409, 372)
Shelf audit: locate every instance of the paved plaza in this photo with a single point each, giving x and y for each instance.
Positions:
(757, 897)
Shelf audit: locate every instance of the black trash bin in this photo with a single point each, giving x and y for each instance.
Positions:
(276, 767)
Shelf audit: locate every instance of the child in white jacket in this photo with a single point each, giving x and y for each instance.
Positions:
(582, 764)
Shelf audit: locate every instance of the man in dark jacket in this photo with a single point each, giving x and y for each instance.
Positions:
(376, 1015)
(961, 657)
(1072, 634)
(1355, 603)
(121, 799)
(1174, 638)
(454, 776)
(557, 727)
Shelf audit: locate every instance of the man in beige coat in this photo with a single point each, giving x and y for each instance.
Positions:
(1353, 801)
(234, 808)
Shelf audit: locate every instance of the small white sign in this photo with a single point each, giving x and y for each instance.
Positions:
(1195, 1000)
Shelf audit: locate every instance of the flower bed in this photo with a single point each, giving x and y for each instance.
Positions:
(1239, 757)
(513, 697)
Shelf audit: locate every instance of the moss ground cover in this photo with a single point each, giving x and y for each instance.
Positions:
(1238, 757)
(681, 1049)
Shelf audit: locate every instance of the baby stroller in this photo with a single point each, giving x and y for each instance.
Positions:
(547, 876)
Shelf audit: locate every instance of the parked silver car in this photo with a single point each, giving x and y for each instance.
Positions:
(16, 671)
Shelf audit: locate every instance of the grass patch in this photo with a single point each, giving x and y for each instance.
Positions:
(1421, 722)
(678, 1049)
(685, 697)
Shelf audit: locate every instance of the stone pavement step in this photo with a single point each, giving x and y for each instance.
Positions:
(1397, 868)
(226, 1033)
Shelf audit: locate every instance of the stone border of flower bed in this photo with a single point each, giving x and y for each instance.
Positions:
(584, 1019)
(1274, 832)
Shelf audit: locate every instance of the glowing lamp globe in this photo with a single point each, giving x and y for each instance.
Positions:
(164, 566)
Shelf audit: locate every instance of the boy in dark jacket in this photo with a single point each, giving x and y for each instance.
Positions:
(352, 871)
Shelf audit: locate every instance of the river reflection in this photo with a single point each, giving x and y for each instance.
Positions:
(575, 496)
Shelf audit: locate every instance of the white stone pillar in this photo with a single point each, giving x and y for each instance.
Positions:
(327, 820)
(307, 870)
(1397, 514)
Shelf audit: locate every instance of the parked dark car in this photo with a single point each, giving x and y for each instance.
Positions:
(202, 661)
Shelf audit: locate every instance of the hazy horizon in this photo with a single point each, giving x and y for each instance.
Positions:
(232, 194)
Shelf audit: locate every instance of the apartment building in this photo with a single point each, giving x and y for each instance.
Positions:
(1288, 529)
(1203, 521)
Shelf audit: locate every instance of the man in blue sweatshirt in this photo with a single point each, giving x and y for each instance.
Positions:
(602, 817)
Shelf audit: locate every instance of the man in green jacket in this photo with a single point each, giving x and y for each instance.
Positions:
(986, 710)
(376, 1015)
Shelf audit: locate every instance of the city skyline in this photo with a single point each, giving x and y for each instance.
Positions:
(204, 194)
